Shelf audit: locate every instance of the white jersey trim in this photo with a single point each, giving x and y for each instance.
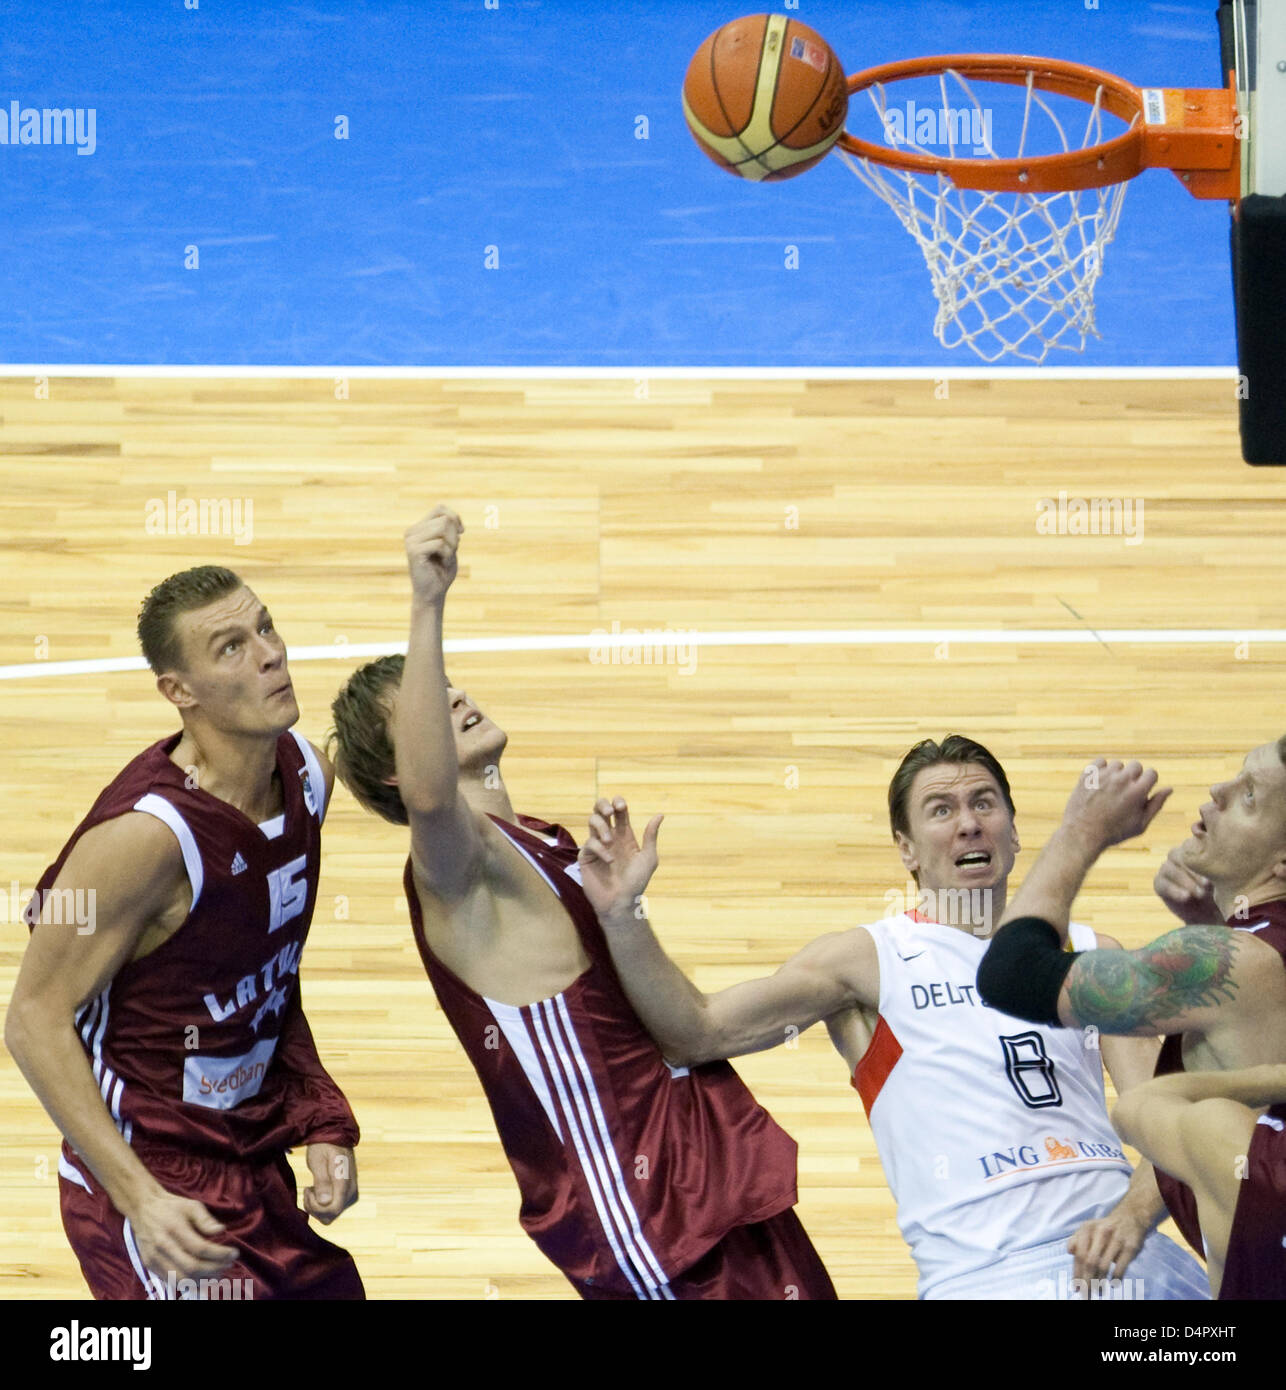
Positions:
(609, 1148)
(163, 810)
(72, 1173)
(529, 857)
(543, 1038)
(91, 1019)
(155, 1287)
(556, 1042)
(514, 1028)
(315, 778)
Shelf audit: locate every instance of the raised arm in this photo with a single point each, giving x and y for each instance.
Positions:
(832, 973)
(1112, 802)
(1026, 964)
(134, 869)
(1178, 983)
(1182, 982)
(446, 843)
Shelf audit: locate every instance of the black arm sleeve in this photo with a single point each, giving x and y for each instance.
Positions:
(1024, 969)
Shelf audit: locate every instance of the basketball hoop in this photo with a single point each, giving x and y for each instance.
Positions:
(1015, 244)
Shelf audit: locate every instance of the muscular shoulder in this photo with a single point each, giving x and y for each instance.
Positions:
(1259, 966)
(1195, 978)
(136, 848)
(850, 958)
(131, 871)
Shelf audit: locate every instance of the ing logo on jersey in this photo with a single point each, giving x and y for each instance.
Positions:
(1001, 1164)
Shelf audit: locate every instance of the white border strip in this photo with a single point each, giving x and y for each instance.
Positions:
(806, 637)
(942, 373)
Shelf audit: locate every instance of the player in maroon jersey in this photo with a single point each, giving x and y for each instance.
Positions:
(1217, 991)
(638, 1180)
(1205, 1129)
(165, 1036)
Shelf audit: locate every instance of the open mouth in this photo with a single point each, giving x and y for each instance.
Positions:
(975, 859)
(474, 718)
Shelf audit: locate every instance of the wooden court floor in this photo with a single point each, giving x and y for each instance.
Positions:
(668, 506)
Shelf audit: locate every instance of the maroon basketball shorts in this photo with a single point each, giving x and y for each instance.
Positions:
(771, 1259)
(281, 1256)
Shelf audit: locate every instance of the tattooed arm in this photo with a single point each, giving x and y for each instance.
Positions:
(1178, 983)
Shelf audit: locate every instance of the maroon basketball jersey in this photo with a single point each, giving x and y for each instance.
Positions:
(629, 1169)
(1255, 1266)
(1268, 923)
(202, 1045)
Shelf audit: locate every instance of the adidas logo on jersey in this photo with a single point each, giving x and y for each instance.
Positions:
(239, 865)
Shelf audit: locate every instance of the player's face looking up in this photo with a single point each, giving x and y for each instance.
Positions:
(477, 740)
(1239, 842)
(234, 667)
(961, 831)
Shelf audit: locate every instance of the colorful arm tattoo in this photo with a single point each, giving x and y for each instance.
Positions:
(1128, 991)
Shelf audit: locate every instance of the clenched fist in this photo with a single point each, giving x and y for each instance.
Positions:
(431, 547)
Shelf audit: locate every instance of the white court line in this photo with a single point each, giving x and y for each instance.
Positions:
(935, 374)
(693, 637)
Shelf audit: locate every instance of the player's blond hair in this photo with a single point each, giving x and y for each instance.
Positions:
(360, 744)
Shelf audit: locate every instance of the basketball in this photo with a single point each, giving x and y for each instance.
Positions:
(765, 97)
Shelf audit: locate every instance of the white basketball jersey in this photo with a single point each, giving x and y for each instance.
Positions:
(993, 1132)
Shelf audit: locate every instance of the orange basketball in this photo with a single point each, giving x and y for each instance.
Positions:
(765, 97)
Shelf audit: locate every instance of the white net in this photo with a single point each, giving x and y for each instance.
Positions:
(1013, 273)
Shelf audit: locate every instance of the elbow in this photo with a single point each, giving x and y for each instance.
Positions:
(697, 1049)
(1125, 1115)
(694, 1049)
(684, 1052)
(1023, 971)
(995, 983)
(33, 1027)
(16, 1031)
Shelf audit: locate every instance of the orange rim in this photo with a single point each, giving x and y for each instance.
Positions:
(1195, 134)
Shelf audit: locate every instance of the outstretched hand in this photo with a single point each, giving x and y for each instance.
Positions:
(615, 868)
(1114, 802)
